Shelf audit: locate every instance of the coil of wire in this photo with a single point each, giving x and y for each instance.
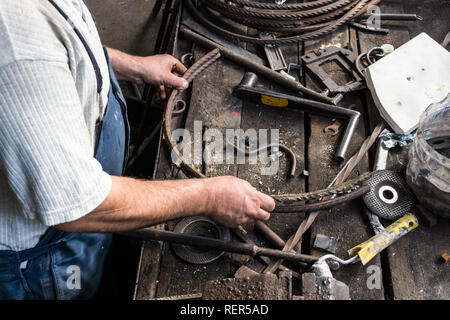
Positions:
(284, 23)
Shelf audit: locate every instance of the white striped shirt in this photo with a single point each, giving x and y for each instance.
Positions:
(49, 107)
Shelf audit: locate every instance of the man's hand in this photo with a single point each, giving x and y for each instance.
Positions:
(162, 70)
(233, 202)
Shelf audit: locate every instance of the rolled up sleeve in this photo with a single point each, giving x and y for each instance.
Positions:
(46, 150)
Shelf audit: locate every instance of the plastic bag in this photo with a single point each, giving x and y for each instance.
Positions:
(428, 170)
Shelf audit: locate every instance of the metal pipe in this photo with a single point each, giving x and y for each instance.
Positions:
(392, 16)
(209, 243)
(255, 67)
(238, 233)
(269, 234)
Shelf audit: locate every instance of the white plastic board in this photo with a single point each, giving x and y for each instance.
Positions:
(404, 83)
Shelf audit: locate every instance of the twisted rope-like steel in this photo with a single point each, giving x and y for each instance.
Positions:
(203, 63)
(291, 24)
(225, 9)
(317, 195)
(290, 39)
(287, 6)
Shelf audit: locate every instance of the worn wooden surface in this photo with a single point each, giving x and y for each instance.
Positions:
(411, 265)
(347, 223)
(410, 268)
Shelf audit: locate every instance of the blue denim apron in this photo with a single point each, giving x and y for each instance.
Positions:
(67, 265)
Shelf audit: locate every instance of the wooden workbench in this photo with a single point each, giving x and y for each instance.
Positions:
(410, 268)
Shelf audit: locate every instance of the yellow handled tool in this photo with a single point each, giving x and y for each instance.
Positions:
(370, 248)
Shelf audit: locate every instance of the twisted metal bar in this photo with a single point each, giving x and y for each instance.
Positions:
(318, 195)
(287, 6)
(321, 205)
(202, 64)
(189, 75)
(225, 8)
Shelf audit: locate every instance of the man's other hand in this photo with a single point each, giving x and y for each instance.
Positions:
(163, 71)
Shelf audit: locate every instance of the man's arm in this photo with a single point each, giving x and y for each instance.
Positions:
(133, 204)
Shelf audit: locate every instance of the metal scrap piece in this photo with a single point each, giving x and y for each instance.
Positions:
(326, 243)
(345, 58)
(274, 54)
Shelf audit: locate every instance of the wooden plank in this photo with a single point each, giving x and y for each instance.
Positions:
(347, 223)
(411, 267)
(148, 270)
(412, 263)
(290, 127)
(211, 106)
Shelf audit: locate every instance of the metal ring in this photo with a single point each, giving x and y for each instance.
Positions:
(391, 191)
(200, 226)
(187, 59)
(179, 107)
(372, 51)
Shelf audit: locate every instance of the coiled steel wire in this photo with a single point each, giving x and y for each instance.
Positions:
(288, 22)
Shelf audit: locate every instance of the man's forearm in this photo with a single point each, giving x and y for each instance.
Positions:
(133, 204)
(126, 67)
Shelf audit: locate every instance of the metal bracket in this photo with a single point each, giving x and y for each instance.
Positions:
(326, 243)
(344, 58)
(274, 54)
